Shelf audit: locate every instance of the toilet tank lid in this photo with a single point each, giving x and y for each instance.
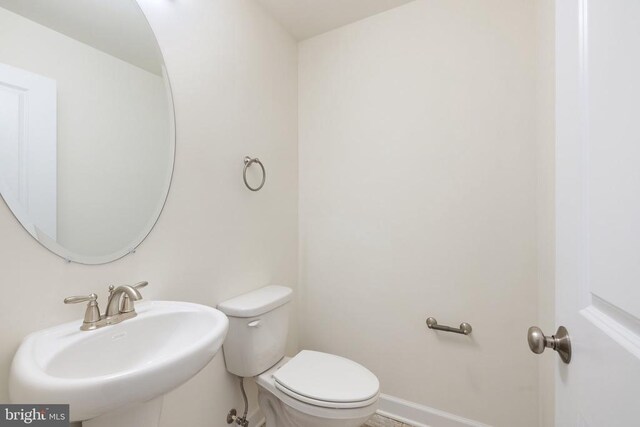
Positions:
(257, 302)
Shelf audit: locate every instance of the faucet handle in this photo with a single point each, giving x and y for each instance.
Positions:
(78, 299)
(136, 286)
(140, 285)
(126, 305)
(92, 314)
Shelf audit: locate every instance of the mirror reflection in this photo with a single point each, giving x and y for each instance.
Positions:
(86, 125)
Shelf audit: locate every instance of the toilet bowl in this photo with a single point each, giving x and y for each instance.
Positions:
(317, 390)
(312, 389)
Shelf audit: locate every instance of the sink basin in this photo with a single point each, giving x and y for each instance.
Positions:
(118, 371)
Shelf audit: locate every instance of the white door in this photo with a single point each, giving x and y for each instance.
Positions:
(28, 152)
(598, 211)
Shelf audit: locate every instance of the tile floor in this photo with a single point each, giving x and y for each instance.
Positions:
(380, 421)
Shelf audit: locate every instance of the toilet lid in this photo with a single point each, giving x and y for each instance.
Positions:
(327, 380)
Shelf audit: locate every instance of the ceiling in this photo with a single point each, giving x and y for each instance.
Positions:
(308, 18)
(116, 27)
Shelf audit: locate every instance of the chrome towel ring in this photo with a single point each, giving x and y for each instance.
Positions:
(248, 161)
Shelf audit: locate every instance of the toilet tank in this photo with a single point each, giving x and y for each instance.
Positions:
(258, 329)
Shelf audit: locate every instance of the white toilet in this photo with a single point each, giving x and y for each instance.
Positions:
(312, 389)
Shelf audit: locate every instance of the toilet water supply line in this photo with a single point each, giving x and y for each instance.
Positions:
(244, 423)
(233, 414)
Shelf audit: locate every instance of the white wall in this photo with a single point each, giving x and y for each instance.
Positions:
(114, 152)
(233, 72)
(418, 197)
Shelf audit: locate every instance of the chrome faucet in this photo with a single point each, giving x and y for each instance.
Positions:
(113, 305)
(120, 306)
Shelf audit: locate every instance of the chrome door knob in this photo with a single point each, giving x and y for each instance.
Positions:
(559, 342)
(537, 340)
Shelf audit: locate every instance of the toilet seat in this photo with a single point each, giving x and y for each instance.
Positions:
(292, 412)
(327, 381)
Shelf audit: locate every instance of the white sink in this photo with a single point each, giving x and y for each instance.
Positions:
(117, 375)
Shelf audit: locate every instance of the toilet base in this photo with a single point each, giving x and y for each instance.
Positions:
(279, 414)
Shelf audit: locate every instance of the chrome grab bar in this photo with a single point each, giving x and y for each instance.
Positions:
(464, 329)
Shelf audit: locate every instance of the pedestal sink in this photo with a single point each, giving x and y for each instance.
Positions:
(116, 376)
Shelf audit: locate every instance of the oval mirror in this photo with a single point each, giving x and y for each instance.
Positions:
(86, 125)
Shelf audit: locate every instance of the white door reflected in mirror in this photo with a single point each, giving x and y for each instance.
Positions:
(28, 149)
(87, 130)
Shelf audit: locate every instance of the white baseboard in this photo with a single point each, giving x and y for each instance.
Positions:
(255, 417)
(420, 415)
(401, 410)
